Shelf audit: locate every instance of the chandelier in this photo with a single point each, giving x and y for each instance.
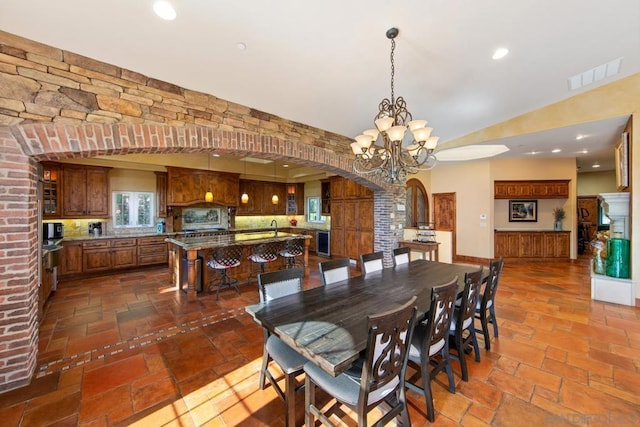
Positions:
(383, 150)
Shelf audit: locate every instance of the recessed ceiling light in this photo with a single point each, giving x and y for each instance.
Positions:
(164, 10)
(500, 53)
(596, 165)
(583, 152)
(285, 166)
(533, 153)
(579, 137)
(556, 150)
(216, 155)
(241, 46)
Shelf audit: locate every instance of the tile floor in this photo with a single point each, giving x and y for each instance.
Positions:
(127, 349)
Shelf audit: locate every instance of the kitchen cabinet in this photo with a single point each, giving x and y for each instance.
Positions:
(325, 196)
(85, 191)
(279, 189)
(295, 199)
(543, 245)
(260, 193)
(107, 254)
(161, 194)
(51, 188)
(255, 191)
(188, 186)
(542, 189)
(152, 250)
(352, 224)
(71, 258)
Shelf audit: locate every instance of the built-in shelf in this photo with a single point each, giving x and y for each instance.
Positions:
(611, 289)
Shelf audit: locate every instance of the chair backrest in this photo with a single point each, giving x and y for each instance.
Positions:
(276, 284)
(495, 268)
(294, 247)
(335, 270)
(443, 298)
(371, 262)
(472, 288)
(401, 255)
(266, 251)
(228, 256)
(387, 352)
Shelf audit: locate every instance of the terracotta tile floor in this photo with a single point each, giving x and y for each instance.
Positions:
(128, 349)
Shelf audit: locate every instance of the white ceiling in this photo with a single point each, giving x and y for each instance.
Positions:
(326, 63)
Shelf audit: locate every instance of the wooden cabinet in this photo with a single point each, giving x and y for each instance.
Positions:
(188, 186)
(51, 189)
(325, 196)
(107, 254)
(161, 194)
(46, 285)
(85, 191)
(295, 199)
(124, 253)
(255, 191)
(260, 194)
(545, 189)
(71, 259)
(352, 224)
(152, 250)
(532, 244)
(279, 189)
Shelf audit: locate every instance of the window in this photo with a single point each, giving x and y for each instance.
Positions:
(314, 213)
(417, 204)
(132, 209)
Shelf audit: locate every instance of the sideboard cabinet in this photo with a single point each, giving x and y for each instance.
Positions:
(543, 245)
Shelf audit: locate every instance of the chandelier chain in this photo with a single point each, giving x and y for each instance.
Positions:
(393, 69)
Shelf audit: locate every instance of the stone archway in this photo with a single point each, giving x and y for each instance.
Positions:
(26, 145)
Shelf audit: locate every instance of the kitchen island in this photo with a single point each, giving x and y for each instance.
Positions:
(198, 249)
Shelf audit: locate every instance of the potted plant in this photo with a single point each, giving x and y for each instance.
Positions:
(558, 215)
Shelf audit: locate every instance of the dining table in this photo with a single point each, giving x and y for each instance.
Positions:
(328, 324)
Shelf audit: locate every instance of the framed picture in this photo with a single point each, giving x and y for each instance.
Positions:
(523, 210)
(622, 162)
(199, 216)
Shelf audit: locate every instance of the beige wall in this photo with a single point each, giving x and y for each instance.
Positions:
(594, 183)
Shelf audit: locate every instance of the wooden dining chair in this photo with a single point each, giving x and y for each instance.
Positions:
(335, 270)
(272, 285)
(376, 379)
(401, 256)
(463, 319)
(485, 309)
(429, 351)
(371, 262)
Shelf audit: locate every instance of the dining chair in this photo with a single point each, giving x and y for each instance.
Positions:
(429, 350)
(401, 256)
(463, 319)
(371, 262)
(485, 309)
(272, 285)
(376, 379)
(222, 259)
(335, 270)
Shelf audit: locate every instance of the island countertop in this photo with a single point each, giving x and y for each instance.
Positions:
(249, 239)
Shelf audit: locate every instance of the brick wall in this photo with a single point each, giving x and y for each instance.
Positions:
(58, 105)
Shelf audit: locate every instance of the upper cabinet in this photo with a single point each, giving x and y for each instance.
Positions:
(51, 189)
(545, 189)
(290, 198)
(85, 191)
(325, 190)
(161, 194)
(188, 186)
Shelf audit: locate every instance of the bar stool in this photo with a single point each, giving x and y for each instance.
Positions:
(293, 249)
(222, 259)
(262, 254)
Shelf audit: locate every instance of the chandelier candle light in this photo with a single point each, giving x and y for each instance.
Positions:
(382, 151)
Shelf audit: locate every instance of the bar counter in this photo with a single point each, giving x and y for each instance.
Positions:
(201, 247)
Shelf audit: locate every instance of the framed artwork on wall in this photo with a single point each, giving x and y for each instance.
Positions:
(622, 162)
(523, 210)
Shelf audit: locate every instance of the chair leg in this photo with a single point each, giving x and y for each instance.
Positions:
(265, 364)
(474, 340)
(493, 320)
(459, 343)
(309, 402)
(426, 389)
(290, 399)
(485, 330)
(448, 369)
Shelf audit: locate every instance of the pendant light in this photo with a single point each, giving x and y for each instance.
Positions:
(208, 196)
(245, 197)
(274, 198)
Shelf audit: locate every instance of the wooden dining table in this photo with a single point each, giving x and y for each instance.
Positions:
(328, 324)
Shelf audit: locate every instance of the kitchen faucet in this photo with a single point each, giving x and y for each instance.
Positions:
(274, 224)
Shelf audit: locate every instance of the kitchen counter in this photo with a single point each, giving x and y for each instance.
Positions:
(188, 254)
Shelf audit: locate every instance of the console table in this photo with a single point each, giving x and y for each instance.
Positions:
(428, 250)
